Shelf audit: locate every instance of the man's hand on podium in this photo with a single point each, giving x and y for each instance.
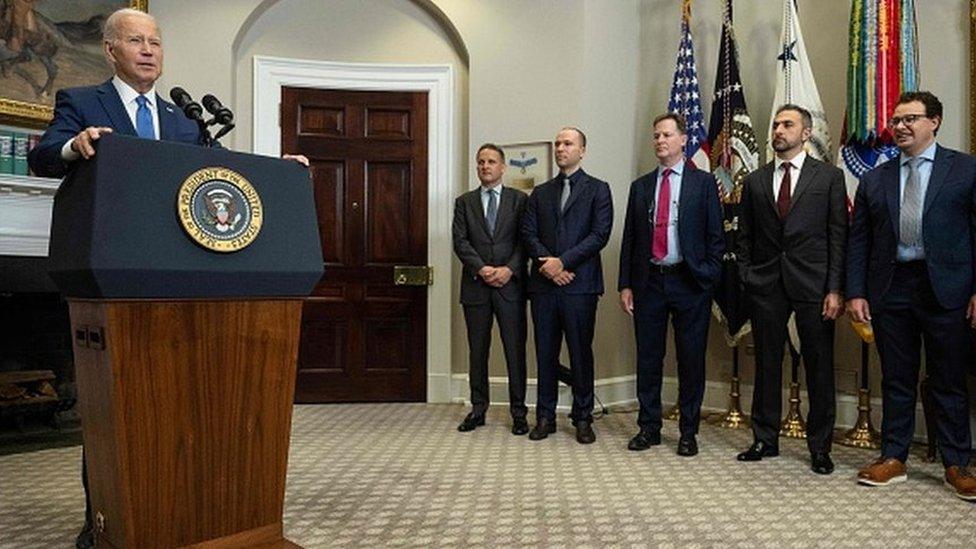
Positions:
(82, 143)
(300, 158)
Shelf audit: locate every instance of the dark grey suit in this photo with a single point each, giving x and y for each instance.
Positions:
(477, 247)
(792, 265)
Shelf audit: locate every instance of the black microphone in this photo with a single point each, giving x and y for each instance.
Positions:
(221, 113)
(191, 108)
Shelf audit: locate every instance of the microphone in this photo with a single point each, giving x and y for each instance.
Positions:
(221, 113)
(183, 100)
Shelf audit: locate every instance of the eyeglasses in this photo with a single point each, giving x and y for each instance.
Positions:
(908, 119)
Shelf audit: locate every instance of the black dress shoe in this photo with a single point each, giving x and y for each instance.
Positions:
(584, 432)
(543, 428)
(757, 451)
(644, 440)
(687, 446)
(821, 463)
(520, 426)
(470, 422)
(86, 538)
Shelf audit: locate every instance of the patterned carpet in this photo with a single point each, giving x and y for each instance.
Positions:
(401, 475)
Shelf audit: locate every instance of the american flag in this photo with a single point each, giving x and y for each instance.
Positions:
(685, 98)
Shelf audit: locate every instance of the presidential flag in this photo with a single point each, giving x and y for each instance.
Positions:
(795, 84)
(685, 98)
(734, 153)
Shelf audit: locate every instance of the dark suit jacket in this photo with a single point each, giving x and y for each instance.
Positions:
(700, 233)
(576, 236)
(948, 230)
(475, 247)
(78, 108)
(807, 250)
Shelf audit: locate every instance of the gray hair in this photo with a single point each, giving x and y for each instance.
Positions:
(110, 32)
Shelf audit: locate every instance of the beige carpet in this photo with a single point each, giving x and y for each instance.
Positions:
(401, 475)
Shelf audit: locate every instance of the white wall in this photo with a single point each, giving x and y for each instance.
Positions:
(536, 65)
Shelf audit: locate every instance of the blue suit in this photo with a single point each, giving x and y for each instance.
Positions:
(921, 300)
(576, 235)
(684, 292)
(78, 108)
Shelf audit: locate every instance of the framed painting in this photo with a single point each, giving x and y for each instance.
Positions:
(46, 45)
(528, 164)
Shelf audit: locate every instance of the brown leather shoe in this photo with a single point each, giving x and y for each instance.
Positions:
(962, 481)
(882, 472)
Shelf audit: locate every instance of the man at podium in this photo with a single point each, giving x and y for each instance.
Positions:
(127, 104)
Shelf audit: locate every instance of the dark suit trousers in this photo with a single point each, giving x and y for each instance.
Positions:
(910, 314)
(554, 315)
(679, 296)
(512, 325)
(769, 320)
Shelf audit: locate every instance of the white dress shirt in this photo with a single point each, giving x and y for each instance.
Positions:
(797, 164)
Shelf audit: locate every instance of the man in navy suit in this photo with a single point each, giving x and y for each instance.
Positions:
(670, 262)
(127, 103)
(567, 222)
(910, 273)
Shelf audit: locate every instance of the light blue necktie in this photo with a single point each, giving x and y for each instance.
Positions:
(144, 119)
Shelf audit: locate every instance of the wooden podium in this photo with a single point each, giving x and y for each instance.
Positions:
(185, 356)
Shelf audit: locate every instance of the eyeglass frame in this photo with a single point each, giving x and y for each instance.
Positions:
(907, 120)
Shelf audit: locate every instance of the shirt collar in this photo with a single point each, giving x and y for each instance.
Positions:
(797, 161)
(495, 189)
(927, 154)
(573, 177)
(678, 168)
(128, 94)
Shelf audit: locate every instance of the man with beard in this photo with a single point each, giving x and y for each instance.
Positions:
(792, 240)
(911, 275)
(567, 222)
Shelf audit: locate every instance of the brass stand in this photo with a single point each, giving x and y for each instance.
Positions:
(674, 413)
(733, 418)
(863, 434)
(794, 426)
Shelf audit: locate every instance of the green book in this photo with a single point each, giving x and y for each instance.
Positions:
(6, 152)
(20, 153)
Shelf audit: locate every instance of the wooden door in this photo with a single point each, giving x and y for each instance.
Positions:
(364, 338)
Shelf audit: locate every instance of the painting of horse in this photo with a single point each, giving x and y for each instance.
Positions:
(47, 45)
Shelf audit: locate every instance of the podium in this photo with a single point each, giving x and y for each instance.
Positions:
(184, 269)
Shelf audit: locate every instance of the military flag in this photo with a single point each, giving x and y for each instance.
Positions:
(795, 84)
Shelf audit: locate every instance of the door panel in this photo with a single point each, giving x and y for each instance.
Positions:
(363, 337)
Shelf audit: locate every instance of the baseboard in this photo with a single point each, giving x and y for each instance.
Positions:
(621, 392)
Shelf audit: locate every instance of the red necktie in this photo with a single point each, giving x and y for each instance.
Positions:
(659, 245)
(783, 200)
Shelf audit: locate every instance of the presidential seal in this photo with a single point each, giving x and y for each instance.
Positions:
(219, 209)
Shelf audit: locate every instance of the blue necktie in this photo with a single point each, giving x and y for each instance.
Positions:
(144, 119)
(492, 214)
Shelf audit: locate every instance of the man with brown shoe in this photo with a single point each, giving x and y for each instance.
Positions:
(910, 273)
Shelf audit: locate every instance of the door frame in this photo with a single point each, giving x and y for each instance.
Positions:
(271, 73)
